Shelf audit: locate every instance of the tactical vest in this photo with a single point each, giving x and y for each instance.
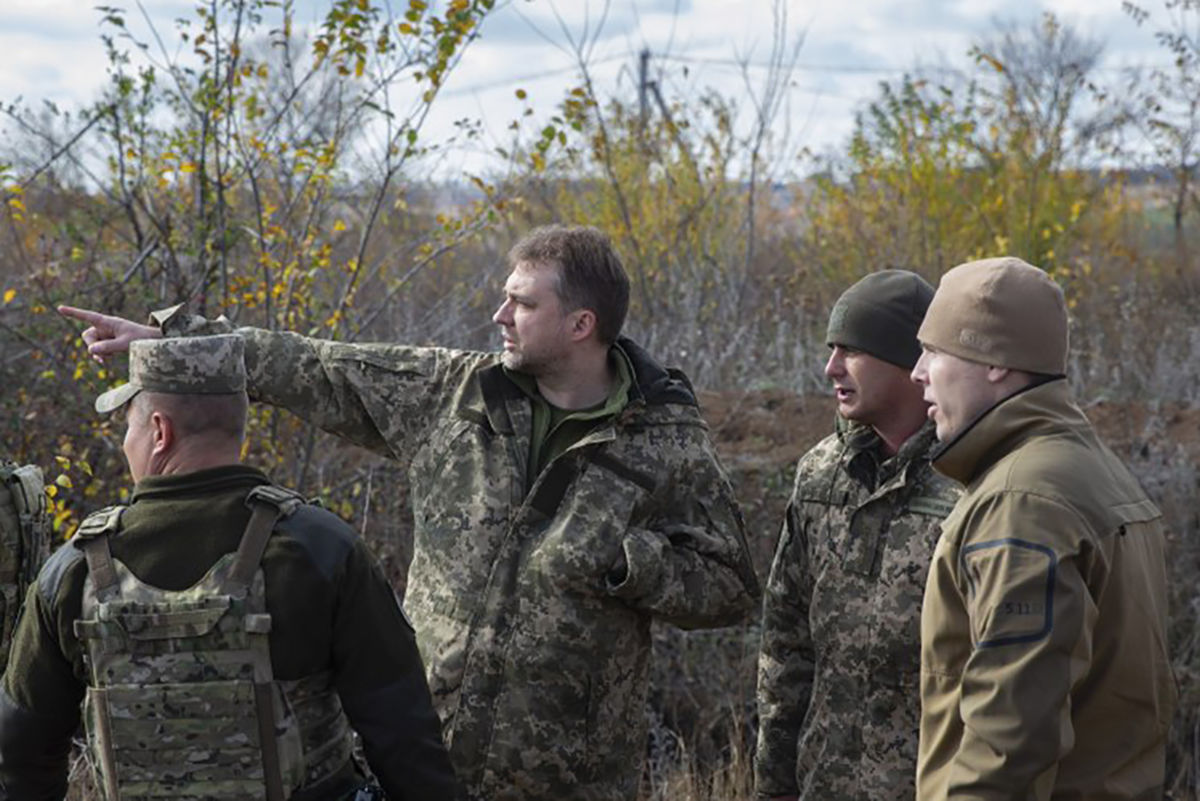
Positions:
(182, 701)
(24, 542)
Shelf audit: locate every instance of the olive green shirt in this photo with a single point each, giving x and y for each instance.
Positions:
(554, 429)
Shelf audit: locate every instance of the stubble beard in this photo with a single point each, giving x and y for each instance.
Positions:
(520, 362)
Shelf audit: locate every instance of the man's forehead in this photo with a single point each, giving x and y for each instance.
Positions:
(527, 275)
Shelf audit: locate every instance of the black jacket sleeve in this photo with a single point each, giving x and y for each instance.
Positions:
(33, 753)
(402, 740)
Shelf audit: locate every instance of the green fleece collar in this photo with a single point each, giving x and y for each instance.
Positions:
(198, 482)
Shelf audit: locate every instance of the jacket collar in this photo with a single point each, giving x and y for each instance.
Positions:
(1029, 412)
(653, 383)
(864, 457)
(653, 386)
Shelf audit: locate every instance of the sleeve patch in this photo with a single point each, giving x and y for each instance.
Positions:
(1011, 591)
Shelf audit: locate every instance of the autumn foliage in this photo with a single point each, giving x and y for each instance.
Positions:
(276, 176)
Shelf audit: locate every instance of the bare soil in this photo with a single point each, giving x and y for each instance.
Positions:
(770, 429)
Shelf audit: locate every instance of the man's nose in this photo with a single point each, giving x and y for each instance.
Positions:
(503, 315)
(834, 366)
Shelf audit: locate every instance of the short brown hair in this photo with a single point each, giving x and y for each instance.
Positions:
(590, 274)
(217, 415)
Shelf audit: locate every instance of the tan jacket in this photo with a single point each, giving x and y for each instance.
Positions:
(1044, 665)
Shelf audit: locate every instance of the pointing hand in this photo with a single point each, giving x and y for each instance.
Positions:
(105, 334)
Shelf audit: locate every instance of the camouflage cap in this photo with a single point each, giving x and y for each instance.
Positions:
(208, 365)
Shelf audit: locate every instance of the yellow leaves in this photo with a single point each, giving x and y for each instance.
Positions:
(187, 167)
(64, 481)
(9, 294)
(16, 205)
(339, 226)
(1077, 209)
(60, 516)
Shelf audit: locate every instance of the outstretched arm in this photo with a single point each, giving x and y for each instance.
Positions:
(383, 397)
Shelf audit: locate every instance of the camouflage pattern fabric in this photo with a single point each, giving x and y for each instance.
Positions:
(171, 708)
(180, 366)
(838, 699)
(532, 601)
(24, 542)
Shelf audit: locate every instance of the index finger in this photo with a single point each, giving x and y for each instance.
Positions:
(84, 315)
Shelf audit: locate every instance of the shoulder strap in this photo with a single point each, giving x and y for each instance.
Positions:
(27, 493)
(92, 537)
(27, 486)
(268, 504)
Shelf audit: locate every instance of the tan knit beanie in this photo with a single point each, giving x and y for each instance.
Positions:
(1002, 312)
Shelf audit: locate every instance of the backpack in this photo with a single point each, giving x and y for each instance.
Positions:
(182, 700)
(24, 542)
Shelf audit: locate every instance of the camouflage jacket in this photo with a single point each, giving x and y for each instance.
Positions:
(532, 604)
(838, 697)
(331, 610)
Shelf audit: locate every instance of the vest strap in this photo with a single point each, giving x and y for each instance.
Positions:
(268, 503)
(108, 760)
(100, 566)
(264, 706)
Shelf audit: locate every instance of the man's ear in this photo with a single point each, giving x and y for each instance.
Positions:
(997, 375)
(583, 323)
(164, 433)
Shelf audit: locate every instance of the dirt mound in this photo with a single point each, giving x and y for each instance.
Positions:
(765, 429)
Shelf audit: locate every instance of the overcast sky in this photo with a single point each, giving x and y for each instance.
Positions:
(52, 50)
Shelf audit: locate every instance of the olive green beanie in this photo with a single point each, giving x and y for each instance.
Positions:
(880, 315)
(1002, 312)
